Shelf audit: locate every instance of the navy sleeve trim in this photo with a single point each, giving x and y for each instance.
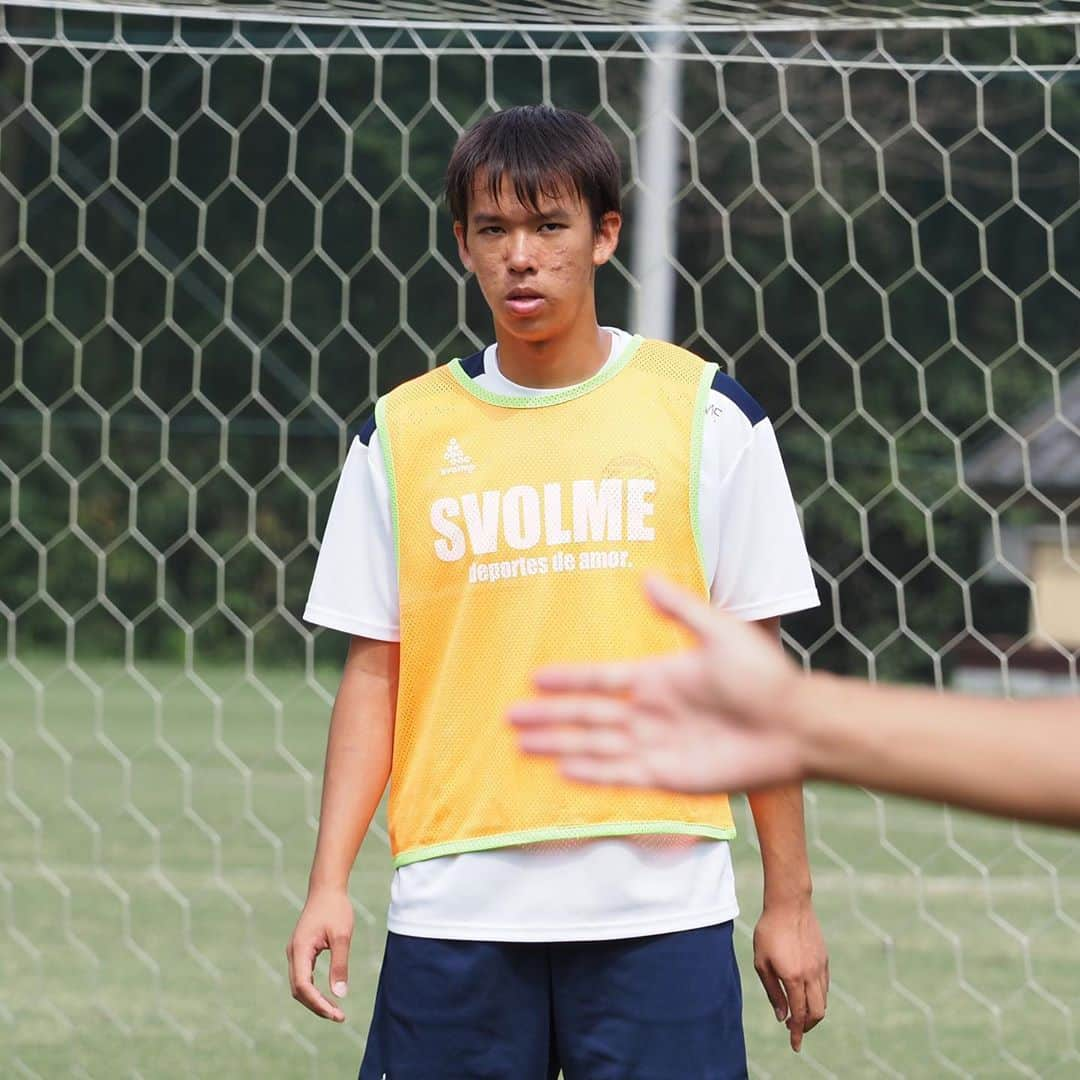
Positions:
(367, 429)
(473, 366)
(726, 385)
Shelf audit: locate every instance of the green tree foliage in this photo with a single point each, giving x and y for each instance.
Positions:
(893, 292)
(201, 298)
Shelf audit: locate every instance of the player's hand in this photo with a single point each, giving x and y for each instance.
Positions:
(707, 719)
(325, 923)
(793, 965)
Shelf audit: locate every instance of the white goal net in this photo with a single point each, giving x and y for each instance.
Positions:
(221, 239)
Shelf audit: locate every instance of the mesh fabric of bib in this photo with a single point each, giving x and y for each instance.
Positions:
(523, 528)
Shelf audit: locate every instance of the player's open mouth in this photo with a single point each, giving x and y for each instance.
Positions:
(524, 301)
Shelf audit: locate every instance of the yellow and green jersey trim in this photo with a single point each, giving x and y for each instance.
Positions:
(556, 397)
(388, 467)
(697, 438)
(564, 832)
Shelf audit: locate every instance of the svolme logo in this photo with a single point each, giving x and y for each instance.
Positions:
(457, 461)
(523, 518)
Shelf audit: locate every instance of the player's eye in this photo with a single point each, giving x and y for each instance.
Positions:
(552, 226)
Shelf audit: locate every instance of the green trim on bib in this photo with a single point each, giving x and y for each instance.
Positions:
(556, 397)
(697, 438)
(388, 465)
(565, 832)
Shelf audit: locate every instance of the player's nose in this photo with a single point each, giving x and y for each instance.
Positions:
(520, 254)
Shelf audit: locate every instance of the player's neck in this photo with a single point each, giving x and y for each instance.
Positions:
(564, 360)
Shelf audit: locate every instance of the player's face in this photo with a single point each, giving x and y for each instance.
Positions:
(535, 265)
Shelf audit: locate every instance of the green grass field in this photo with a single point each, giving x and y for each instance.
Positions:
(154, 843)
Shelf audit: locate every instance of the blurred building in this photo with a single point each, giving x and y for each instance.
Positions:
(1033, 477)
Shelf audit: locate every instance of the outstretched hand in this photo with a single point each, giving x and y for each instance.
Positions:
(710, 718)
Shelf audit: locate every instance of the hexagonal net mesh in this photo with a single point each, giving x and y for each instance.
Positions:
(221, 238)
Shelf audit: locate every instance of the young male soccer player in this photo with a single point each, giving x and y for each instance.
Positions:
(496, 516)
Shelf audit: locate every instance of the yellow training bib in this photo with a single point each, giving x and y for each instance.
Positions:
(523, 528)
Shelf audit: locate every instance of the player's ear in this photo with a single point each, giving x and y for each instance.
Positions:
(463, 246)
(606, 239)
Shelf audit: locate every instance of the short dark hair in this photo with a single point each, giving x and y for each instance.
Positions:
(542, 151)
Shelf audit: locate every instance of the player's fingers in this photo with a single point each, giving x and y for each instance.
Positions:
(774, 989)
(796, 995)
(585, 678)
(301, 979)
(574, 740)
(309, 996)
(558, 711)
(339, 964)
(610, 771)
(680, 605)
(815, 1002)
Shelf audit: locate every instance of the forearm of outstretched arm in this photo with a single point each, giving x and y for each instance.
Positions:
(1018, 759)
(359, 750)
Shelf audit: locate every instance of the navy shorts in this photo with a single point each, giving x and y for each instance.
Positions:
(664, 1007)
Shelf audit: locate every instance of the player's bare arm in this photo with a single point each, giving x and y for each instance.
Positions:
(789, 948)
(1016, 759)
(656, 723)
(359, 749)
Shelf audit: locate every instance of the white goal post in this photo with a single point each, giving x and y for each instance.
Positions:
(222, 238)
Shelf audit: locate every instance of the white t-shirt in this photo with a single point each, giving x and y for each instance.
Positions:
(611, 887)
